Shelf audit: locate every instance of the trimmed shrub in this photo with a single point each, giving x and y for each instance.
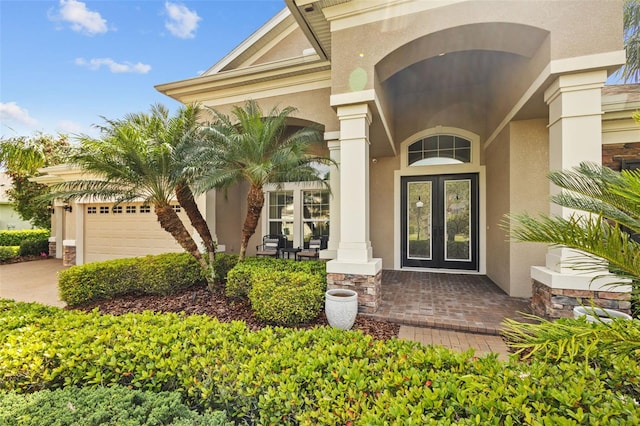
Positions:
(162, 274)
(241, 277)
(115, 406)
(8, 252)
(223, 264)
(14, 238)
(34, 247)
(287, 298)
(318, 376)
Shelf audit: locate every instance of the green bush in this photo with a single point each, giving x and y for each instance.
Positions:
(241, 277)
(287, 298)
(223, 264)
(117, 406)
(161, 274)
(8, 252)
(319, 376)
(14, 238)
(34, 247)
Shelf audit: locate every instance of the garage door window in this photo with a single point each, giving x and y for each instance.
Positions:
(131, 209)
(92, 210)
(104, 209)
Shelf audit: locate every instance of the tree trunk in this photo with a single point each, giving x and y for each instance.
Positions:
(255, 201)
(187, 201)
(170, 222)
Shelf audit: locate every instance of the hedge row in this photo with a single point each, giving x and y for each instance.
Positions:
(319, 376)
(116, 406)
(7, 252)
(14, 238)
(161, 274)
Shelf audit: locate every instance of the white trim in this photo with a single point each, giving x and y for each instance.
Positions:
(68, 243)
(573, 281)
(270, 45)
(360, 97)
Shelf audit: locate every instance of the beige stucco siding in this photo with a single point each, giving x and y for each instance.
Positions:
(290, 46)
(381, 196)
(498, 201)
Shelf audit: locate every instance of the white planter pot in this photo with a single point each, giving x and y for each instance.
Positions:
(341, 308)
(598, 314)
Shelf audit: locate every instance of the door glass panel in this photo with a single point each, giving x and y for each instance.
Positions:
(419, 213)
(457, 223)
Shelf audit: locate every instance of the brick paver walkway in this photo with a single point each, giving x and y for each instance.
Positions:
(460, 302)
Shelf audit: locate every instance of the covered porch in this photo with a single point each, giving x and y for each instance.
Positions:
(461, 302)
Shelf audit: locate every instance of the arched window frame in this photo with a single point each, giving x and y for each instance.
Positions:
(441, 130)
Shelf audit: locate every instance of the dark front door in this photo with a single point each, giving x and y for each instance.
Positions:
(440, 221)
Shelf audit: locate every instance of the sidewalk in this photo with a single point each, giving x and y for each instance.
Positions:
(34, 281)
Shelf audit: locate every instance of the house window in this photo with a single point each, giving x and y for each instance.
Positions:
(145, 209)
(131, 209)
(92, 210)
(104, 209)
(315, 214)
(176, 208)
(281, 215)
(439, 149)
(117, 209)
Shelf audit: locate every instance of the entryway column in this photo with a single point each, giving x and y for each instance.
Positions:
(355, 266)
(575, 135)
(333, 143)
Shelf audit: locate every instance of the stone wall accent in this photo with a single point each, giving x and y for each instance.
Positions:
(68, 255)
(555, 303)
(613, 153)
(368, 287)
(52, 249)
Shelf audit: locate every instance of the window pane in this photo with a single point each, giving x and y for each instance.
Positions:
(445, 142)
(419, 220)
(431, 143)
(457, 219)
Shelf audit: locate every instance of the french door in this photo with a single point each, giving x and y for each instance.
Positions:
(439, 223)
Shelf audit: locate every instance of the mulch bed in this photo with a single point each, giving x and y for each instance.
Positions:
(199, 300)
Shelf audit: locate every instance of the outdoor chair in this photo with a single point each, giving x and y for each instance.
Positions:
(313, 252)
(271, 245)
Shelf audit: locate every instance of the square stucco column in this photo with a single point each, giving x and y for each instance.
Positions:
(575, 135)
(333, 143)
(355, 266)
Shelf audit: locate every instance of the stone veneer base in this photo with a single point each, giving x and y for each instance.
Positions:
(368, 287)
(559, 303)
(68, 255)
(52, 249)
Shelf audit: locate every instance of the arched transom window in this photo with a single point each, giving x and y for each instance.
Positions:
(439, 149)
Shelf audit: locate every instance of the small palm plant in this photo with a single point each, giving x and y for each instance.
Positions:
(257, 148)
(608, 236)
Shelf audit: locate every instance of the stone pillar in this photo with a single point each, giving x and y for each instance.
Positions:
(68, 252)
(52, 246)
(354, 265)
(575, 135)
(333, 144)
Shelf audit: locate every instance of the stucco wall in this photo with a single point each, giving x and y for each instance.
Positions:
(381, 196)
(497, 161)
(10, 219)
(289, 47)
(529, 191)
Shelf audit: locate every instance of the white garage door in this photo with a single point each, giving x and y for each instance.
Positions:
(128, 230)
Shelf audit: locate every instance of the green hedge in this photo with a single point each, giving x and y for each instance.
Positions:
(8, 252)
(223, 264)
(319, 376)
(117, 406)
(287, 298)
(161, 274)
(14, 238)
(241, 277)
(34, 247)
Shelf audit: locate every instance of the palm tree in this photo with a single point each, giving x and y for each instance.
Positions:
(257, 149)
(608, 235)
(631, 71)
(137, 159)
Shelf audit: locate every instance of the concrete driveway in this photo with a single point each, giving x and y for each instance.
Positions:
(35, 281)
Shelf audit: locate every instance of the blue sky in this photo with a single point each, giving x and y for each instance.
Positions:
(65, 63)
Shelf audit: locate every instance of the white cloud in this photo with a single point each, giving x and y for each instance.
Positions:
(182, 22)
(81, 19)
(68, 126)
(11, 111)
(115, 67)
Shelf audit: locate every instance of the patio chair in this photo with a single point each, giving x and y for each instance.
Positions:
(313, 252)
(271, 245)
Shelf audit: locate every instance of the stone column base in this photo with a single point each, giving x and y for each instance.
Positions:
(555, 303)
(52, 249)
(68, 253)
(368, 287)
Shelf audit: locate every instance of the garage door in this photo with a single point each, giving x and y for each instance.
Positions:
(128, 230)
